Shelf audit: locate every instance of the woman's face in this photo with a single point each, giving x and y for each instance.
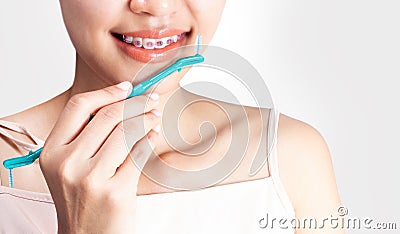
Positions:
(114, 39)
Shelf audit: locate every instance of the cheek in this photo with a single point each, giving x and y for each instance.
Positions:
(85, 20)
(207, 13)
(89, 23)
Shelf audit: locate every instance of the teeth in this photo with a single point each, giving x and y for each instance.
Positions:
(181, 35)
(149, 43)
(138, 41)
(169, 40)
(161, 43)
(127, 39)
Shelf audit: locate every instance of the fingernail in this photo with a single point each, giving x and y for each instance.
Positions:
(156, 112)
(126, 85)
(157, 128)
(153, 96)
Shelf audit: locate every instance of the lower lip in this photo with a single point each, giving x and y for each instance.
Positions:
(143, 55)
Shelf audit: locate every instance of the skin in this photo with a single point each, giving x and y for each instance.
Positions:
(305, 165)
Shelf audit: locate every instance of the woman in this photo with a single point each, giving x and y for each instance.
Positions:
(88, 166)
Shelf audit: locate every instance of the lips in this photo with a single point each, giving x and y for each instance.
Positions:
(146, 55)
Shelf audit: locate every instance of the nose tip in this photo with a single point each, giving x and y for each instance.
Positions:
(154, 7)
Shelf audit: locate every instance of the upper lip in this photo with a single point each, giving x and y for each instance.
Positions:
(154, 33)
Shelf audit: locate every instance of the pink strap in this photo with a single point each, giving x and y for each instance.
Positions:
(20, 129)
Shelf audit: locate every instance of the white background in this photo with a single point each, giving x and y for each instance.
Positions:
(332, 64)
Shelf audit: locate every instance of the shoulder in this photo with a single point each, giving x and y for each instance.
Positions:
(8, 148)
(305, 168)
(299, 139)
(6, 145)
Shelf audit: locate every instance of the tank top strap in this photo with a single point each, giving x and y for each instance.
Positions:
(20, 129)
(273, 162)
(272, 142)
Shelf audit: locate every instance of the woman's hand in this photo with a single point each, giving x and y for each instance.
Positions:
(88, 167)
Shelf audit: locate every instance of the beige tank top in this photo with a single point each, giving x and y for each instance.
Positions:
(244, 207)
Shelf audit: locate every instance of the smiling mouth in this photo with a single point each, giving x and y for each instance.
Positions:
(151, 45)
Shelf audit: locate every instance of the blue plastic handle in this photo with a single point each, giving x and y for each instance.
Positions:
(177, 66)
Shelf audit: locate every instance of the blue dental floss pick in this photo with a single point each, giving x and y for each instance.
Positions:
(137, 90)
(177, 66)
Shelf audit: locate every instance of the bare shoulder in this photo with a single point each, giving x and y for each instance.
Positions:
(306, 169)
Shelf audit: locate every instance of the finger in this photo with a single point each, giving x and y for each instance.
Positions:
(78, 109)
(117, 146)
(129, 172)
(108, 117)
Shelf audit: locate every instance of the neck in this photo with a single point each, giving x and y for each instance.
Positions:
(85, 79)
